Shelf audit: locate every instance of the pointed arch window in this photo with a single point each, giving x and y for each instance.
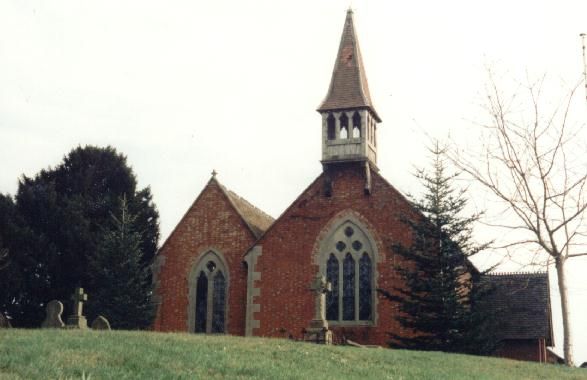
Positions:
(356, 125)
(332, 296)
(207, 312)
(218, 303)
(201, 302)
(347, 264)
(348, 288)
(344, 126)
(331, 127)
(365, 287)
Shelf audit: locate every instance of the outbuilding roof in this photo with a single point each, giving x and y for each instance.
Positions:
(522, 305)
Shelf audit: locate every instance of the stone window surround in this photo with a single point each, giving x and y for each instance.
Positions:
(325, 244)
(206, 255)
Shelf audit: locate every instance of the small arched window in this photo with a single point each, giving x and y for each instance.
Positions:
(344, 126)
(332, 296)
(356, 125)
(218, 304)
(201, 302)
(348, 266)
(365, 287)
(208, 296)
(348, 288)
(331, 127)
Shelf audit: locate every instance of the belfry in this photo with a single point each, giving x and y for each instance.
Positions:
(349, 120)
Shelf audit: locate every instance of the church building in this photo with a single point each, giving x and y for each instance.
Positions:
(228, 267)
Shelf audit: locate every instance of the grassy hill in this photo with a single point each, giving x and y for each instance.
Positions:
(52, 354)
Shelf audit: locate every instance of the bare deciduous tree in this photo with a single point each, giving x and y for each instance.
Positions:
(535, 162)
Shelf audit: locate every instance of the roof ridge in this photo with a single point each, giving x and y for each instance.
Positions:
(246, 201)
(259, 228)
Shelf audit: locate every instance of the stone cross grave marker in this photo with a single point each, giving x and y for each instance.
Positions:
(318, 331)
(320, 287)
(54, 309)
(77, 320)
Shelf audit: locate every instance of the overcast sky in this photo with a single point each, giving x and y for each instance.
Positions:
(184, 87)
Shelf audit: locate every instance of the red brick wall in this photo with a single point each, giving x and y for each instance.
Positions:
(287, 264)
(211, 222)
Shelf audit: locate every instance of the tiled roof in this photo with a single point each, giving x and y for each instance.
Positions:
(521, 301)
(257, 221)
(348, 86)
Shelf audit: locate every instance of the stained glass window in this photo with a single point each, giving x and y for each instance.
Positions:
(365, 287)
(348, 288)
(218, 303)
(201, 302)
(210, 295)
(349, 269)
(332, 296)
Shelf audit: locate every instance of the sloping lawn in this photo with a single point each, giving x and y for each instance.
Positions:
(65, 354)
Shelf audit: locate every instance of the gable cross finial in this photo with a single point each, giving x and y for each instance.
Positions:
(214, 172)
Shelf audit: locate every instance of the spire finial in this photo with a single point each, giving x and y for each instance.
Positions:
(348, 87)
(214, 172)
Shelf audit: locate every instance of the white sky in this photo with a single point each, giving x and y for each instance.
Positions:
(184, 87)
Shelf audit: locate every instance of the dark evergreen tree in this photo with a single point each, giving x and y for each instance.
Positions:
(442, 299)
(6, 221)
(19, 270)
(64, 214)
(120, 286)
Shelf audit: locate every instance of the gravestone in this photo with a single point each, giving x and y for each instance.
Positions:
(53, 319)
(77, 320)
(4, 322)
(100, 323)
(318, 331)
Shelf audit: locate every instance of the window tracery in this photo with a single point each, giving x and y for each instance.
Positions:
(348, 258)
(209, 297)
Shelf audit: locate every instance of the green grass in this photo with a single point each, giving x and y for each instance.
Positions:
(72, 354)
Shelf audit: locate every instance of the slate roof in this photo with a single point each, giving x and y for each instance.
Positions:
(257, 221)
(521, 301)
(348, 86)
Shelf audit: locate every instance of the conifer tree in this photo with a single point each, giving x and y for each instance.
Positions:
(120, 287)
(442, 299)
(58, 220)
